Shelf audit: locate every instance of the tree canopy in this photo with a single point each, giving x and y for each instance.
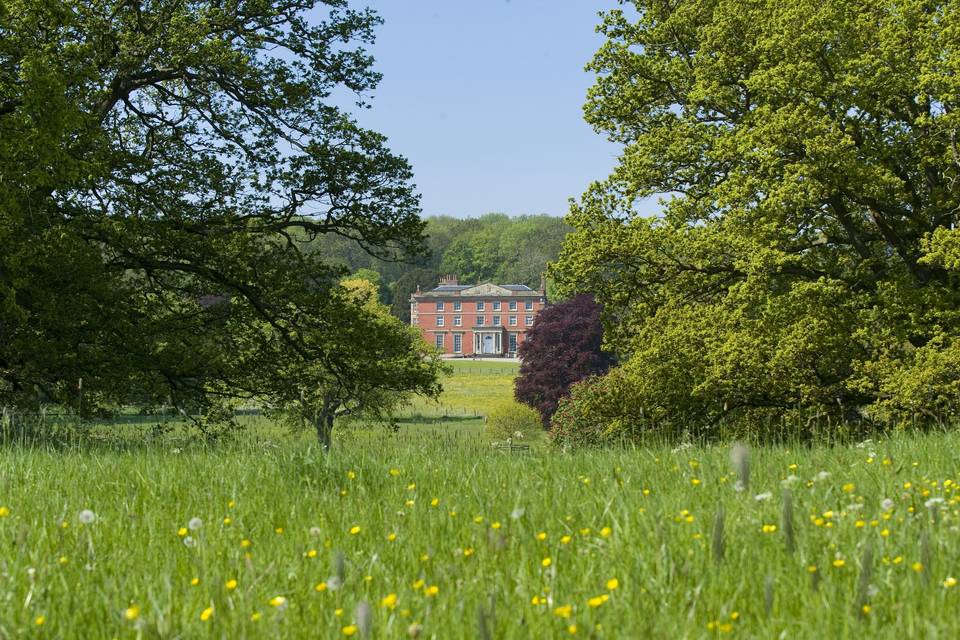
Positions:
(161, 166)
(805, 262)
(562, 347)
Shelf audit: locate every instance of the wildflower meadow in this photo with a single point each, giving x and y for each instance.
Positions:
(396, 535)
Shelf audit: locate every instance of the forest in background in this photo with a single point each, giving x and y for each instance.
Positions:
(493, 247)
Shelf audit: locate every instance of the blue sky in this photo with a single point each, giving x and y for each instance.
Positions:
(485, 97)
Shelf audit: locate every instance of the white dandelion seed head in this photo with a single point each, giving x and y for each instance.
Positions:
(738, 485)
(333, 583)
(517, 513)
(189, 542)
(194, 524)
(87, 516)
(760, 497)
(315, 531)
(887, 504)
(872, 591)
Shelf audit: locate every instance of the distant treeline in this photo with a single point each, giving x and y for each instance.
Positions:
(493, 247)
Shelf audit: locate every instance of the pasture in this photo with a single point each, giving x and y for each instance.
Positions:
(423, 534)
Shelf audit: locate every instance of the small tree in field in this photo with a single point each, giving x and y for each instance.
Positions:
(561, 348)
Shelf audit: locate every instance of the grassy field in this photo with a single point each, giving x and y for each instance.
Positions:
(437, 537)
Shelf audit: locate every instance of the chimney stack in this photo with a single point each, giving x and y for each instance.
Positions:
(448, 280)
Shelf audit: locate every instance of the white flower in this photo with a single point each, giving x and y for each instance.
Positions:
(932, 502)
(854, 506)
(789, 481)
(738, 485)
(315, 531)
(872, 591)
(516, 514)
(682, 446)
(333, 583)
(194, 524)
(189, 542)
(823, 475)
(766, 495)
(87, 517)
(887, 504)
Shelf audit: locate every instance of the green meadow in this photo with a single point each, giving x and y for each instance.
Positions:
(429, 532)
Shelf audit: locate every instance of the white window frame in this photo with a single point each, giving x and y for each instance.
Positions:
(528, 305)
(458, 338)
(439, 341)
(457, 321)
(513, 321)
(513, 342)
(496, 321)
(513, 305)
(456, 305)
(481, 306)
(480, 321)
(439, 321)
(528, 321)
(439, 306)
(496, 305)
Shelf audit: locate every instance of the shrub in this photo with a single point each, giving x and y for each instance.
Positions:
(514, 421)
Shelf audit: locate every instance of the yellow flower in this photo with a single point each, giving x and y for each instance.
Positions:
(859, 524)
(917, 566)
(769, 528)
(231, 584)
(182, 531)
(597, 601)
(227, 521)
(865, 609)
(389, 601)
(726, 627)
(338, 612)
(613, 584)
(546, 562)
(734, 615)
(563, 612)
(849, 487)
(256, 615)
(950, 582)
(63, 560)
(206, 614)
(907, 485)
(565, 540)
(351, 475)
(391, 537)
(885, 533)
(194, 582)
(312, 553)
(408, 503)
(39, 620)
(279, 530)
(572, 629)
(132, 612)
(245, 543)
(418, 584)
(321, 587)
(411, 486)
(354, 530)
(605, 532)
(695, 482)
(537, 601)
(278, 601)
(349, 630)
(231, 504)
(478, 519)
(495, 525)
(468, 552)
(432, 591)
(839, 563)
(435, 502)
(394, 472)
(812, 568)
(542, 536)
(4, 512)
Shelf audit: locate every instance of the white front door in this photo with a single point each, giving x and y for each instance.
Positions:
(488, 344)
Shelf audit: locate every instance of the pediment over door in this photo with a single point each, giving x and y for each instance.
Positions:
(486, 289)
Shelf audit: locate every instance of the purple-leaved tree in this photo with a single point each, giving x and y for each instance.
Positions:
(561, 348)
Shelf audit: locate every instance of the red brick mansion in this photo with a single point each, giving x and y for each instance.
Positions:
(476, 320)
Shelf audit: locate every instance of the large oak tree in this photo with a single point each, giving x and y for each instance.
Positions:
(161, 164)
(805, 262)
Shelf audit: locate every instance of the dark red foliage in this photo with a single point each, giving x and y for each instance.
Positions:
(561, 348)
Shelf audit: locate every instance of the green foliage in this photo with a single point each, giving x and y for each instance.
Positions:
(805, 262)
(162, 166)
(513, 421)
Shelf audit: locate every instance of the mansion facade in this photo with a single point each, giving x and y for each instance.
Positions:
(476, 320)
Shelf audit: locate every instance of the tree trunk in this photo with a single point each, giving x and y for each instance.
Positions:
(324, 426)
